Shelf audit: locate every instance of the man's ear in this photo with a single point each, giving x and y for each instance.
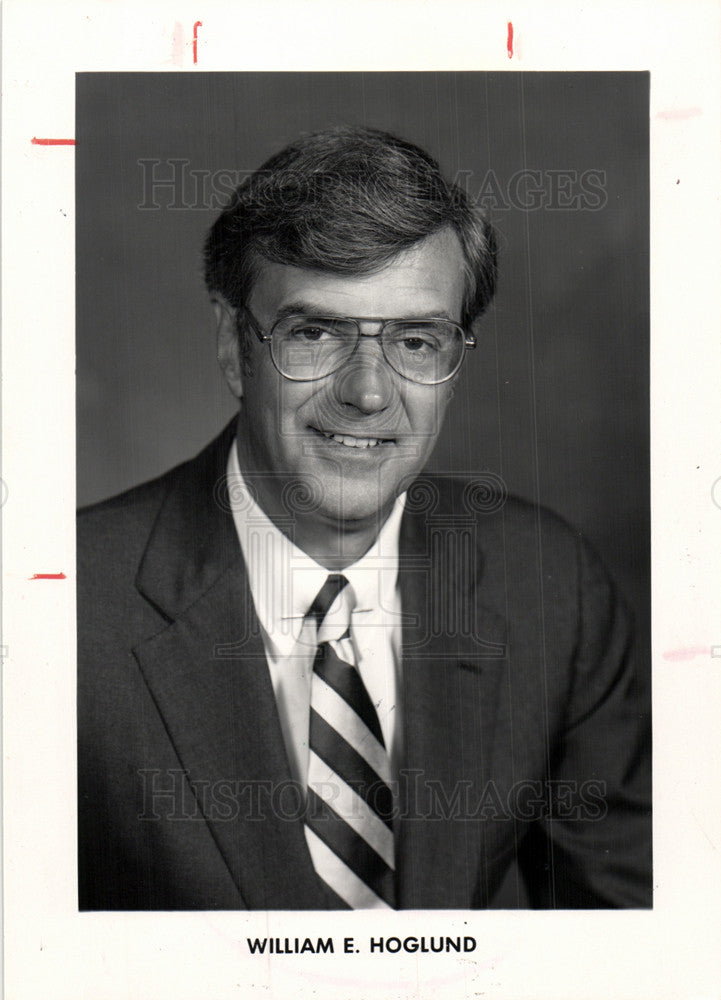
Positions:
(229, 357)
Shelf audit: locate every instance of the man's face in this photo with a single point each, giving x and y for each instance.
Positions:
(318, 432)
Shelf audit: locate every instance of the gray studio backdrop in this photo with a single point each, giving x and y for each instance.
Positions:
(554, 400)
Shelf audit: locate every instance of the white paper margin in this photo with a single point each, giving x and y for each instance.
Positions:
(52, 951)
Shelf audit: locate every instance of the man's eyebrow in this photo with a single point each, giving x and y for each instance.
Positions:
(302, 308)
(313, 309)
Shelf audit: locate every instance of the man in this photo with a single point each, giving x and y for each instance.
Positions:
(309, 679)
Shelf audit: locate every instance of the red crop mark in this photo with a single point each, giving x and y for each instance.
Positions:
(48, 576)
(509, 42)
(198, 24)
(52, 142)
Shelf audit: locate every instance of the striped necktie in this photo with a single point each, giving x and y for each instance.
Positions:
(348, 825)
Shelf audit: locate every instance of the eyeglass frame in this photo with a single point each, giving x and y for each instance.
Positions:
(469, 341)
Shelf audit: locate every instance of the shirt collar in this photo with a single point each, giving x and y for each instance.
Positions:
(284, 580)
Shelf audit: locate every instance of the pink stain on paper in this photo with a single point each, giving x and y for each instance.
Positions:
(509, 40)
(48, 576)
(679, 114)
(688, 653)
(177, 45)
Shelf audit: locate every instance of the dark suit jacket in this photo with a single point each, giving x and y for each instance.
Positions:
(526, 723)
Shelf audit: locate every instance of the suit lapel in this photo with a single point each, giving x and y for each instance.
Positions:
(453, 651)
(208, 675)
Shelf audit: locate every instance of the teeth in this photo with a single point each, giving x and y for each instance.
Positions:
(353, 442)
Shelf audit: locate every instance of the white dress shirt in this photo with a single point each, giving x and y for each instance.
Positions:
(284, 581)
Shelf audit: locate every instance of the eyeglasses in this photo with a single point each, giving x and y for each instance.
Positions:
(304, 348)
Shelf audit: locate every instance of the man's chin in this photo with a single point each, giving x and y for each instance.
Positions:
(356, 513)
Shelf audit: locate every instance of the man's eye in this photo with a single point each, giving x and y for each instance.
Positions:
(311, 333)
(416, 343)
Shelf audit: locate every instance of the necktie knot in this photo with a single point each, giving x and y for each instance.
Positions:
(332, 607)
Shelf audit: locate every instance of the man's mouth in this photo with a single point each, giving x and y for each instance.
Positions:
(353, 441)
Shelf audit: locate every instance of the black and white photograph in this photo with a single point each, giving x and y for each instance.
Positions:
(361, 500)
(363, 550)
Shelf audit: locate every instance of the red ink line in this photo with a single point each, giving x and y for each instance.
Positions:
(52, 142)
(198, 24)
(48, 576)
(509, 43)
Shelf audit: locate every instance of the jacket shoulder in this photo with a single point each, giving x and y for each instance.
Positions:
(112, 535)
(130, 515)
(520, 545)
(117, 521)
(484, 499)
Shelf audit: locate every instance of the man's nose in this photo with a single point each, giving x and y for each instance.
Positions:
(366, 381)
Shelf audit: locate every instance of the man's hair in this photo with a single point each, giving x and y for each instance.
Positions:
(345, 201)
